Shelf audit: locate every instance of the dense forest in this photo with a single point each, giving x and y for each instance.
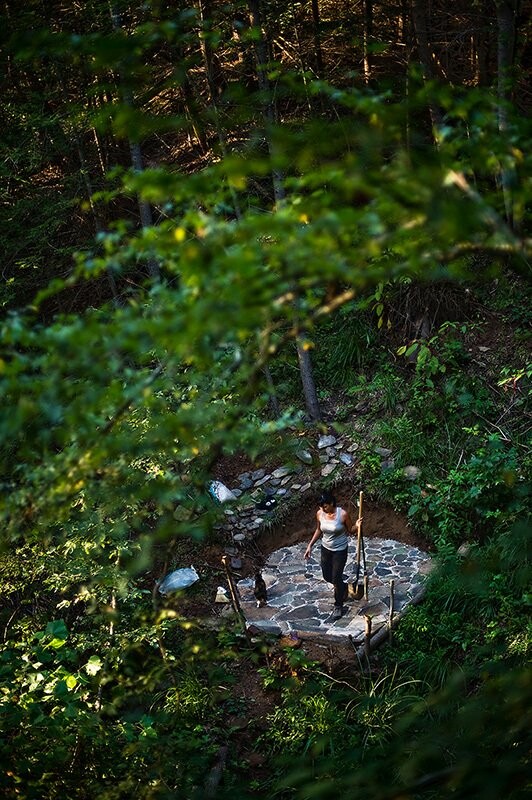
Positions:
(229, 228)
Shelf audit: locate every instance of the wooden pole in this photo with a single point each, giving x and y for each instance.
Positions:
(390, 617)
(363, 551)
(367, 638)
(232, 589)
(384, 632)
(358, 588)
(234, 598)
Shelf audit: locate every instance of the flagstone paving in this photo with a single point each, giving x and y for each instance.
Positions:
(301, 602)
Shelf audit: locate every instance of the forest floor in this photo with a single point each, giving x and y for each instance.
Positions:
(252, 699)
(485, 349)
(296, 526)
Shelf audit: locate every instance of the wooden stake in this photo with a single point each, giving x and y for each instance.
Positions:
(234, 598)
(390, 617)
(232, 589)
(367, 640)
(383, 634)
(361, 546)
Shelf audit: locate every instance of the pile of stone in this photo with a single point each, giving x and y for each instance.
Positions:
(245, 515)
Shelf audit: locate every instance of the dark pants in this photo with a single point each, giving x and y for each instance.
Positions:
(332, 568)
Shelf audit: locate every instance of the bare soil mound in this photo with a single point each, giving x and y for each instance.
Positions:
(379, 522)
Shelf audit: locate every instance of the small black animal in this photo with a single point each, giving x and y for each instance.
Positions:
(260, 590)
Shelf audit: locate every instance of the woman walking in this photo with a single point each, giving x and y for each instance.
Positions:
(334, 526)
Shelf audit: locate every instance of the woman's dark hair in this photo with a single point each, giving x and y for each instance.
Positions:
(327, 497)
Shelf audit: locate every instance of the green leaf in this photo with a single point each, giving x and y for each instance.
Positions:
(58, 629)
(57, 643)
(71, 681)
(93, 665)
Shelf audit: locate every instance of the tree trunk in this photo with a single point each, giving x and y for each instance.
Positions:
(274, 402)
(367, 38)
(506, 29)
(146, 217)
(420, 25)
(402, 22)
(98, 227)
(481, 43)
(85, 174)
(193, 112)
(215, 78)
(261, 56)
(307, 379)
(216, 84)
(316, 28)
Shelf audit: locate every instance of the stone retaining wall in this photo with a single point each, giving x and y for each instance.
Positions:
(244, 520)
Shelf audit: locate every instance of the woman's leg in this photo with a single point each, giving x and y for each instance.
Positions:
(339, 559)
(326, 564)
(332, 569)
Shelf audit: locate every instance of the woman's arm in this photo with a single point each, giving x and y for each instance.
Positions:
(315, 536)
(348, 522)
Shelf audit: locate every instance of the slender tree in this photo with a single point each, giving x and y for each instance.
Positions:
(135, 149)
(507, 11)
(261, 54)
(419, 16)
(316, 29)
(367, 40)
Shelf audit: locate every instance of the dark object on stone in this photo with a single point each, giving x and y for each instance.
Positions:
(259, 591)
(268, 503)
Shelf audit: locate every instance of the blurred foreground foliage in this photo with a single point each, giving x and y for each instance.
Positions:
(113, 418)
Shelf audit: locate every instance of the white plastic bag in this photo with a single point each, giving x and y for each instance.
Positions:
(221, 595)
(220, 492)
(179, 579)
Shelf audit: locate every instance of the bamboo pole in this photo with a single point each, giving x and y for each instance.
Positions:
(358, 588)
(362, 548)
(390, 617)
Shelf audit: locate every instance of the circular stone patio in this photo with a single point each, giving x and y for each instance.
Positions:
(300, 602)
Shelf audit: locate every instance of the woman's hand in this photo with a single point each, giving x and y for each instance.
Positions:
(315, 536)
(355, 528)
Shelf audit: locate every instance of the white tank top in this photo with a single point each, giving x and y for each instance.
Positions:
(333, 530)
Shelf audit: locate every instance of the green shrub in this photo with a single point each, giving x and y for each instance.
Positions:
(305, 723)
(475, 497)
(476, 610)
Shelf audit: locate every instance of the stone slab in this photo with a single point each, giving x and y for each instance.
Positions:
(300, 601)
